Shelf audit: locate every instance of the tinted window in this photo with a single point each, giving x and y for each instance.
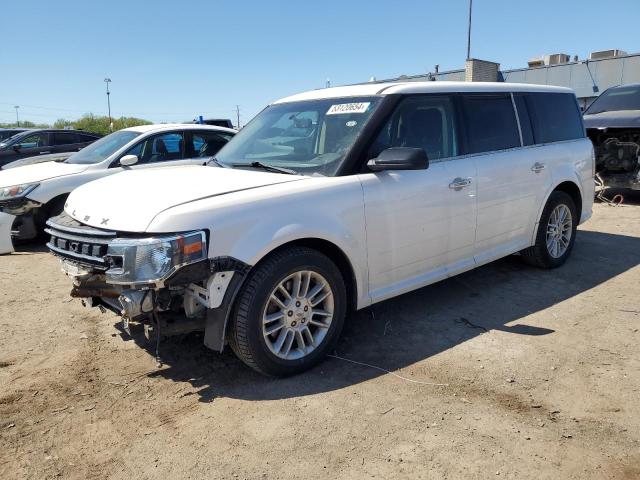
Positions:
(525, 120)
(35, 140)
(490, 123)
(159, 148)
(615, 99)
(554, 117)
(426, 122)
(87, 138)
(60, 138)
(207, 144)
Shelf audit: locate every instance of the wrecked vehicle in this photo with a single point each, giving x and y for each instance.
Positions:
(613, 125)
(32, 193)
(329, 201)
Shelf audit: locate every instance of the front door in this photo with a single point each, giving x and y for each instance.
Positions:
(419, 222)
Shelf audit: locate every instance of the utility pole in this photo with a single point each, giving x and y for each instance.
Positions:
(17, 117)
(238, 117)
(469, 32)
(108, 81)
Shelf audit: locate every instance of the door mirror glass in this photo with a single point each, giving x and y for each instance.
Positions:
(128, 160)
(399, 158)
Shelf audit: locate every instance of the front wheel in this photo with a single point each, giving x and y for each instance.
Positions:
(556, 233)
(289, 313)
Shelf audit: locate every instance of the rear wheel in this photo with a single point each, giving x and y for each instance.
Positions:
(289, 313)
(556, 233)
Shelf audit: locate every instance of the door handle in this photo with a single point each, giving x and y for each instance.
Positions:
(538, 167)
(459, 183)
(43, 153)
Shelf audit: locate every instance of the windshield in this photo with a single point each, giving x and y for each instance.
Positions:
(103, 148)
(616, 99)
(309, 137)
(5, 135)
(15, 138)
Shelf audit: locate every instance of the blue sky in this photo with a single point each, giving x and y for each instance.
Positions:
(173, 60)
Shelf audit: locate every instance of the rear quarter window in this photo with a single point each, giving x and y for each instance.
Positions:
(555, 117)
(490, 123)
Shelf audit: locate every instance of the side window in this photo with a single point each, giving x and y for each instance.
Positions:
(426, 122)
(207, 144)
(159, 148)
(87, 138)
(554, 116)
(525, 119)
(490, 123)
(62, 138)
(35, 140)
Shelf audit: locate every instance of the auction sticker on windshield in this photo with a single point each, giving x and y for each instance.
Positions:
(348, 108)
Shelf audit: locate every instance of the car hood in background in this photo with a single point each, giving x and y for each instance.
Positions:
(38, 173)
(617, 119)
(51, 157)
(129, 201)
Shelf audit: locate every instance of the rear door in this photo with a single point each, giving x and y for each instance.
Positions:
(511, 178)
(201, 145)
(64, 142)
(419, 222)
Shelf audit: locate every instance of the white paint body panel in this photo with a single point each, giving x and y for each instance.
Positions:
(399, 230)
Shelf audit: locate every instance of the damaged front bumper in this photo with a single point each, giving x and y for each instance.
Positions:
(17, 222)
(6, 224)
(196, 296)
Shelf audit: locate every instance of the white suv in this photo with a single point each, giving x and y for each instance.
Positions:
(31, 193)
(330, 201)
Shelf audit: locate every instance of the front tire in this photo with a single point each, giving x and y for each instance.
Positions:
(556, 233)
(290, 312)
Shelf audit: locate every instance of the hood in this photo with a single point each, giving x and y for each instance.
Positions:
(615, 119)
(129, 201)
(38, 173)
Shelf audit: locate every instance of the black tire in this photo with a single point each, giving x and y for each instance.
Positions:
(245, 333)
(538, 255)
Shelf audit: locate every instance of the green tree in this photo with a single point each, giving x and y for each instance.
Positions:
(100, 124)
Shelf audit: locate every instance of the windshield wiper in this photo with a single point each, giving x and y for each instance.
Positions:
(215, 160)
(267, 167)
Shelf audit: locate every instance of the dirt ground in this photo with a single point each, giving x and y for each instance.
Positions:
(540, 373)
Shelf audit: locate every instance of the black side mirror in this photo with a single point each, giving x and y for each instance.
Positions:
(17, 148)
(399, 158)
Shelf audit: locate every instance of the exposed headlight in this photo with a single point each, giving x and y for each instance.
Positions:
(17, 191)
(152, 260)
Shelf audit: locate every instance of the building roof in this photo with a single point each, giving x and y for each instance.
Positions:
(369, 89)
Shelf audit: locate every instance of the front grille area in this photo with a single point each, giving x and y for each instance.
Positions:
(80, 243)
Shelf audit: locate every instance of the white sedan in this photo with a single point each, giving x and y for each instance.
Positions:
(32, 193)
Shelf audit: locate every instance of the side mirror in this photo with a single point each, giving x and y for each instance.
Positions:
(128, 160)
(399, 158)
(17, 148)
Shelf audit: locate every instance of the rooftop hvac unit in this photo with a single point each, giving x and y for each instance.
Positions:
(607, 54)
(557, 59)
(554, 59)
(536, 62)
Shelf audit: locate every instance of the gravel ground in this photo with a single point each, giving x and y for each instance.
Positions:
(508, 372)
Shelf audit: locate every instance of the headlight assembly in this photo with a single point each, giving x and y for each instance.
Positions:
(17, 191)
(152, 260)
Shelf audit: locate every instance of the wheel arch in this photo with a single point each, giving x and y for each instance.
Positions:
(335, 254)
(569, 187)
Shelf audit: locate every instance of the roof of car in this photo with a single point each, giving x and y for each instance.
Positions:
(172, 126)
(389, 88)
